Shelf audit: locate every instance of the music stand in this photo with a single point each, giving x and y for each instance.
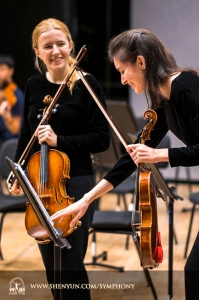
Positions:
(169, 192)
(45, 220)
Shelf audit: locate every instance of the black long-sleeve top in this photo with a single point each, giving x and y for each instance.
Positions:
(180, 115)
(80, 126)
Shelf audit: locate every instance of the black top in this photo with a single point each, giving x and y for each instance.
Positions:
(80, 126)
(180, 115)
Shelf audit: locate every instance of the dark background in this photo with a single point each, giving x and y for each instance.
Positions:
(91, 23)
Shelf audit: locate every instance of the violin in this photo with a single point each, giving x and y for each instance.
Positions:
(48, 171)
(150, 242)
(51, 190)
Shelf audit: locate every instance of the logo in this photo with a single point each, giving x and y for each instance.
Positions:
(16, 286)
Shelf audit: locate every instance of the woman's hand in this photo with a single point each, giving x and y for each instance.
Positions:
(141, 153)
(45, 133)
(5, 109)
(78, 208)
(15, 189)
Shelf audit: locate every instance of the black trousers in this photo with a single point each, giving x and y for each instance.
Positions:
(191, 272)
(73, 271)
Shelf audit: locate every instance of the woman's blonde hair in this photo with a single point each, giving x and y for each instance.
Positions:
(45, 26)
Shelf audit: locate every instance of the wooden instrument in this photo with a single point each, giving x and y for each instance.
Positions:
(150, 244)
(8, 93)
(48, 171)
(37, 205)
(150, 247)
(51, 190)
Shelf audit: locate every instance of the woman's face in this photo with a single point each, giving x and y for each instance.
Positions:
(133, 75)
(54, 49)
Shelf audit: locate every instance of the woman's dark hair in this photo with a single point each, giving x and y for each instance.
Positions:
(160, 63)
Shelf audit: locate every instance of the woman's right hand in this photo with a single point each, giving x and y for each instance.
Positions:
(15, 188)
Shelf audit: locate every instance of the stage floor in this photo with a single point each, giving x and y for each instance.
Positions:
(22, 258)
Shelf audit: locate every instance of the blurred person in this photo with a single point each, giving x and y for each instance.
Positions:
(11, 100)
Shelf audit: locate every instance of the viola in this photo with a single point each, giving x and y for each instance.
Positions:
(9, 94)
(151, 253)
(48, 171)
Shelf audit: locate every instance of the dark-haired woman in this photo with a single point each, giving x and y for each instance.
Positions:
(147, 66)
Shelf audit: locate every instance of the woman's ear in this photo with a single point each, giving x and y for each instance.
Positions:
(71, 46)
(141, 61)
(37, 53)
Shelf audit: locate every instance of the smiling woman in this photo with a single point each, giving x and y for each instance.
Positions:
(54, 49)
(133, 75)
(77, 129)
(173, 93)
(53, 46)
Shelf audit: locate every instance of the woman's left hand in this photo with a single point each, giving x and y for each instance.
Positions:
(45, 133)
(141, 153)
(78, 208)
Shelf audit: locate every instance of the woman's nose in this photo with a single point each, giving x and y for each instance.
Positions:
(55, 49)
(123, 80)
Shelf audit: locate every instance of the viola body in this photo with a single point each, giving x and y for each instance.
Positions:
(52, 193)
(9, 94)
(148, 219)
(151, 252)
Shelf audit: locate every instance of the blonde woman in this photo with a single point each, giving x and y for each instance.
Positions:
(78, 128)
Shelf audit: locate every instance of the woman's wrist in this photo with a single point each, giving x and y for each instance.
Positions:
(162, 155)
(8, 119)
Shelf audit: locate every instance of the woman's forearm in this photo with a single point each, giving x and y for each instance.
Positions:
(99, 190)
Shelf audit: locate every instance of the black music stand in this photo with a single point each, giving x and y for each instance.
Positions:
(45, 220)
(169, 192)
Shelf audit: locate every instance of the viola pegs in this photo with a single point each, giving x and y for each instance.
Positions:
(39, 117)
(78, 224)
(54, 110)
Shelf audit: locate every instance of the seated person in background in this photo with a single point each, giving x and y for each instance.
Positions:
(11, 101)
